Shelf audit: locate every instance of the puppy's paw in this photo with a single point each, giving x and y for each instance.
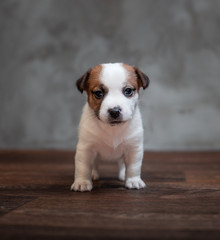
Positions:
(81, 186)
(135, 183)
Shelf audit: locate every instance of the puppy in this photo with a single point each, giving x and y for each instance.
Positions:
(110, 127)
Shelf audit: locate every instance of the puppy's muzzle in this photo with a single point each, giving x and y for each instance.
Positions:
(115, 113)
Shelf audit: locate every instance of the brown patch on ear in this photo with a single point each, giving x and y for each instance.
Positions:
(136, 78)
(81, 83)
(143, 80)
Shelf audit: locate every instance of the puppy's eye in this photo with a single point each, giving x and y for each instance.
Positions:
(128, 92)
(98, 94)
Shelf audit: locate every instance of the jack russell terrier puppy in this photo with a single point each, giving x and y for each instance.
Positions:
(110, 127)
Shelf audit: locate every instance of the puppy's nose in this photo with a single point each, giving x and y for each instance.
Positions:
(114, 112)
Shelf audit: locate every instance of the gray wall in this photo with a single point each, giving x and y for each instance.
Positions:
(46, 45)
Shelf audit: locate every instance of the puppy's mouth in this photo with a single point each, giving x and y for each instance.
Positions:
(111, 122)
(115, 122)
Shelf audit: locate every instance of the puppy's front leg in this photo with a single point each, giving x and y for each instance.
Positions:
(133, 162)
(83, 170)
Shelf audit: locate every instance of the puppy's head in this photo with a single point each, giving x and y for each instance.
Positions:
(113, 90)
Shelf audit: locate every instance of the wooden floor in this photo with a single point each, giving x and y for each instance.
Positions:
(182, 200)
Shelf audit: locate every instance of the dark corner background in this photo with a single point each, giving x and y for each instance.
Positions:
(46, 45)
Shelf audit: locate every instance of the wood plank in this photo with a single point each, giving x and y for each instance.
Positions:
(180, 202)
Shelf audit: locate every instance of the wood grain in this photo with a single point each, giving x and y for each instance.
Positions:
(181, 201)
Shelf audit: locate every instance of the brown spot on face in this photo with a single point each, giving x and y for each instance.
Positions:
(131, 78)
(95, 85)
(136, 78)
(94, 78)
(90, 82)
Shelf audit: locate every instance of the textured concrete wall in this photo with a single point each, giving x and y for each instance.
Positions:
(46, 45)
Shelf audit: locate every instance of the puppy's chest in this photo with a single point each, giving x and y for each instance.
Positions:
(109, 153)
(109, 148)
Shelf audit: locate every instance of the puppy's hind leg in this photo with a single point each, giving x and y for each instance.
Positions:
(95, 173)
(121, 169)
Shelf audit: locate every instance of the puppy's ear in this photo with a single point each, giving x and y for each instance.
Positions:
(82, 82)
(143, 80)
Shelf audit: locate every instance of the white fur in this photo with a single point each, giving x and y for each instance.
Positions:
(98, 140)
